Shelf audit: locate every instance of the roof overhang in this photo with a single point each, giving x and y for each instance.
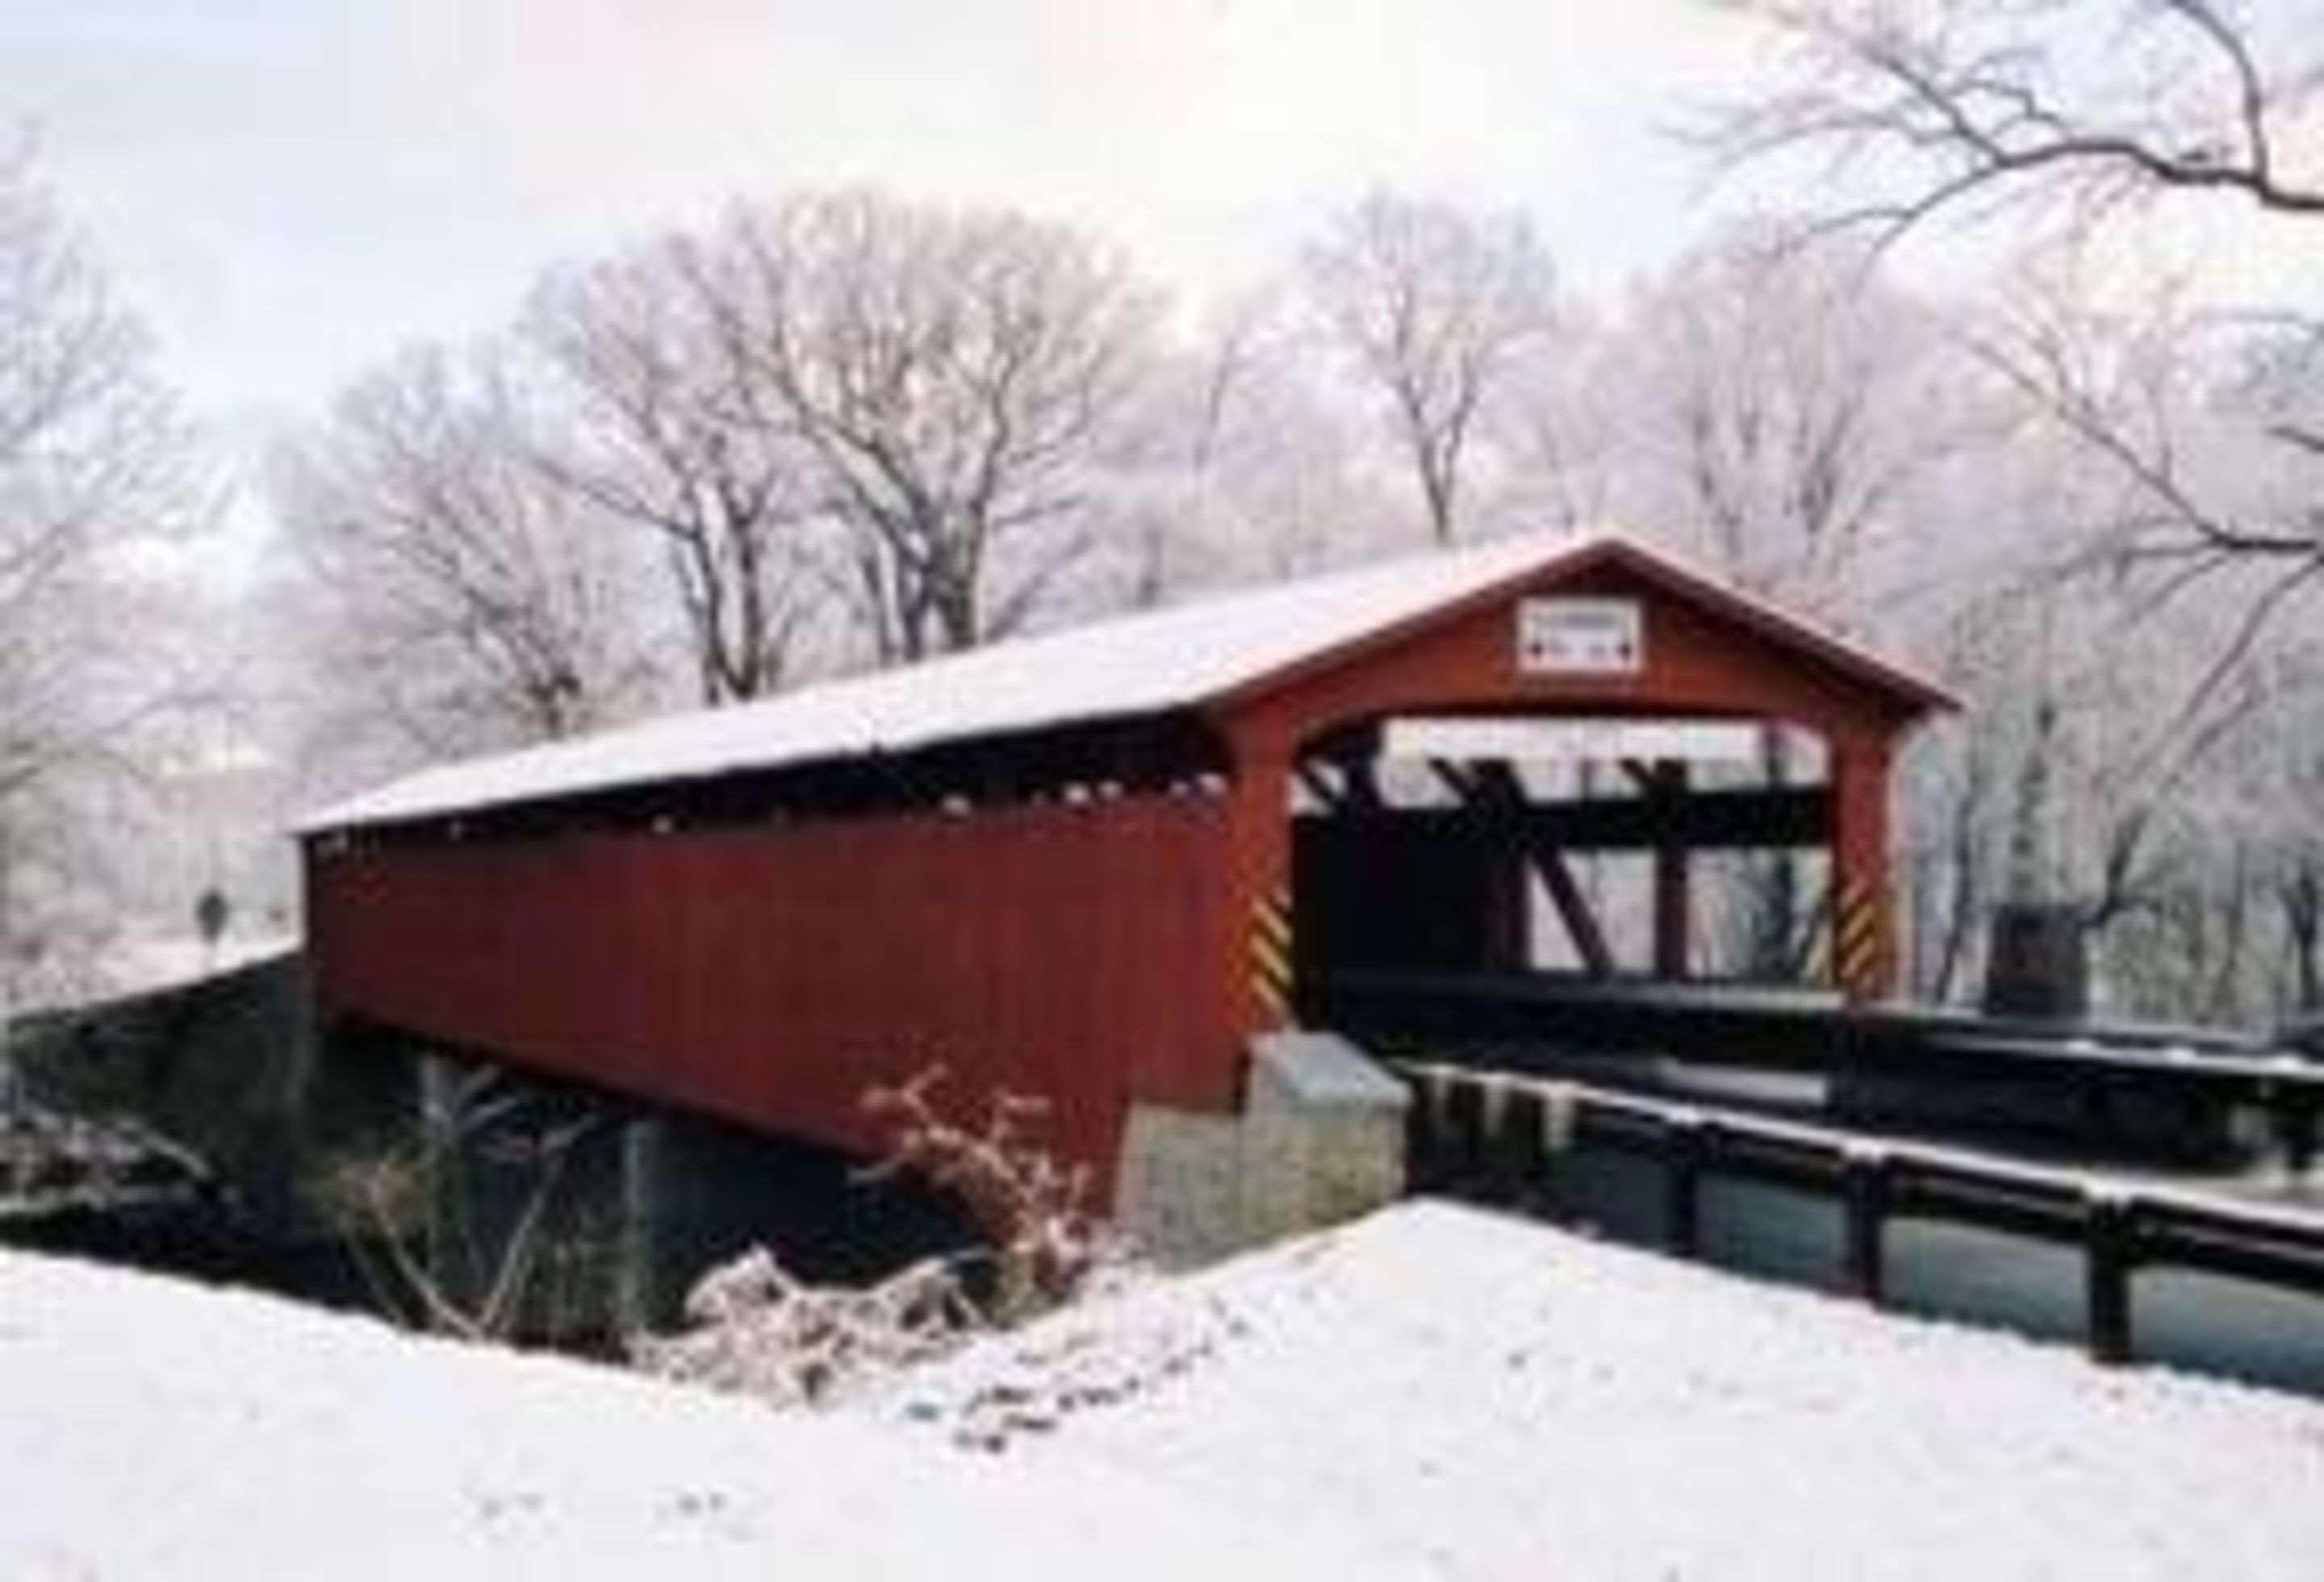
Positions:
(1210, 654)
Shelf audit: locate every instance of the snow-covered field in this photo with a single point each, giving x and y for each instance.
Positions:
(1492, 1398)
(144, 964)
(154, 1431)
(1435, 1392)
(141, 964)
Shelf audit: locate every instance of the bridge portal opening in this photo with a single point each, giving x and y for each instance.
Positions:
(1618, 849)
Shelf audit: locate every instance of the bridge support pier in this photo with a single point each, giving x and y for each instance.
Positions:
(640, 1294)
(1320, 1139)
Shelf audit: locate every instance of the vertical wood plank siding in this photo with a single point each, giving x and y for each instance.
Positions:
(769, 974)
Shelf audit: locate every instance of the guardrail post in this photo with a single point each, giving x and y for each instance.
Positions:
(1518, 1154)
(1464, 1121)
(1864, 1206)
(1423, 1128)
(2112, 1240)
(1685, 1146)
(2295, 1129)
(642, 1302)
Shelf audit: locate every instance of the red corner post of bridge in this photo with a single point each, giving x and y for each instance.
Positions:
(1259, 978)
(1864, 920)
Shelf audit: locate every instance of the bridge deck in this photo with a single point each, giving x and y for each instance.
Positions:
(2167, 1091)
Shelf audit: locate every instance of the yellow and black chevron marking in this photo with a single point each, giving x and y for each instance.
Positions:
(1271, 951)
(1856, 939)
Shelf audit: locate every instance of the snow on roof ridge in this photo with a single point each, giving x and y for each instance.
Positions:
(685, 744)
(1145, 663)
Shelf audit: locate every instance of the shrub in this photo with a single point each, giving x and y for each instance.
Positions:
(757, 1330)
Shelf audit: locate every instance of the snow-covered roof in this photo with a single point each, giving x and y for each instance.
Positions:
(1147, 663)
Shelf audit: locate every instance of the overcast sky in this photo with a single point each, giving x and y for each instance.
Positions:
(290, 189)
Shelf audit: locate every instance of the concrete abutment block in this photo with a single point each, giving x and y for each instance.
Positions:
(1320, 1139)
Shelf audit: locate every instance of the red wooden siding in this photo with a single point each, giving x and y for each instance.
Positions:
(769, 974)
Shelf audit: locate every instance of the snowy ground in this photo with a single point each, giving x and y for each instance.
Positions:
(1488, 1398)
(154, 1431)
(143, 964)
(1437, 1391)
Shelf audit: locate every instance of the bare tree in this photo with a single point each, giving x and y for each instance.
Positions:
(957, 378)
(93, 459)
(2078, 118)
(1434, 306)
(2084, 104)
(2298, 888)
(1563, 443)
(2074, 112)
(1785, 416)
(2192, 877)
(2292, 848)
(2178, 422)
(1254, 469)
(1781, 409)
(467, 598)
(473, 1223)
(672, 432)
(1178, 526)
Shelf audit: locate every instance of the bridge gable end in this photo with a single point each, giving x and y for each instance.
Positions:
(1616, 631)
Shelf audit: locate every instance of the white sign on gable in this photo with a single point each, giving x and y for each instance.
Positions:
(1581, 637)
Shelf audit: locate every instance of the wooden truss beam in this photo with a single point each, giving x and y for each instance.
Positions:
(1493, 790)
(1700, 820)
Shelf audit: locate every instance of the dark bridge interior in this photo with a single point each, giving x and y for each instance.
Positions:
(1467, 867)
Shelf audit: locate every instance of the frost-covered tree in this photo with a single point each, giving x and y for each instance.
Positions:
(2083, 119)
(1779, 412)
(912, 410)
(1434, 309)
(456, 593)
(957, 382)
(1255, 467)
(2074, 110)
(94, 464)
(665, 430)
(1791, 422)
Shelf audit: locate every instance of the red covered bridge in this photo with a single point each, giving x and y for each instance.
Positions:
(1092, 864)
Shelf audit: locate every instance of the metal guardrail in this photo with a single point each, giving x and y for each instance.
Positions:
(1809, 1031)
(1496, 1134)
